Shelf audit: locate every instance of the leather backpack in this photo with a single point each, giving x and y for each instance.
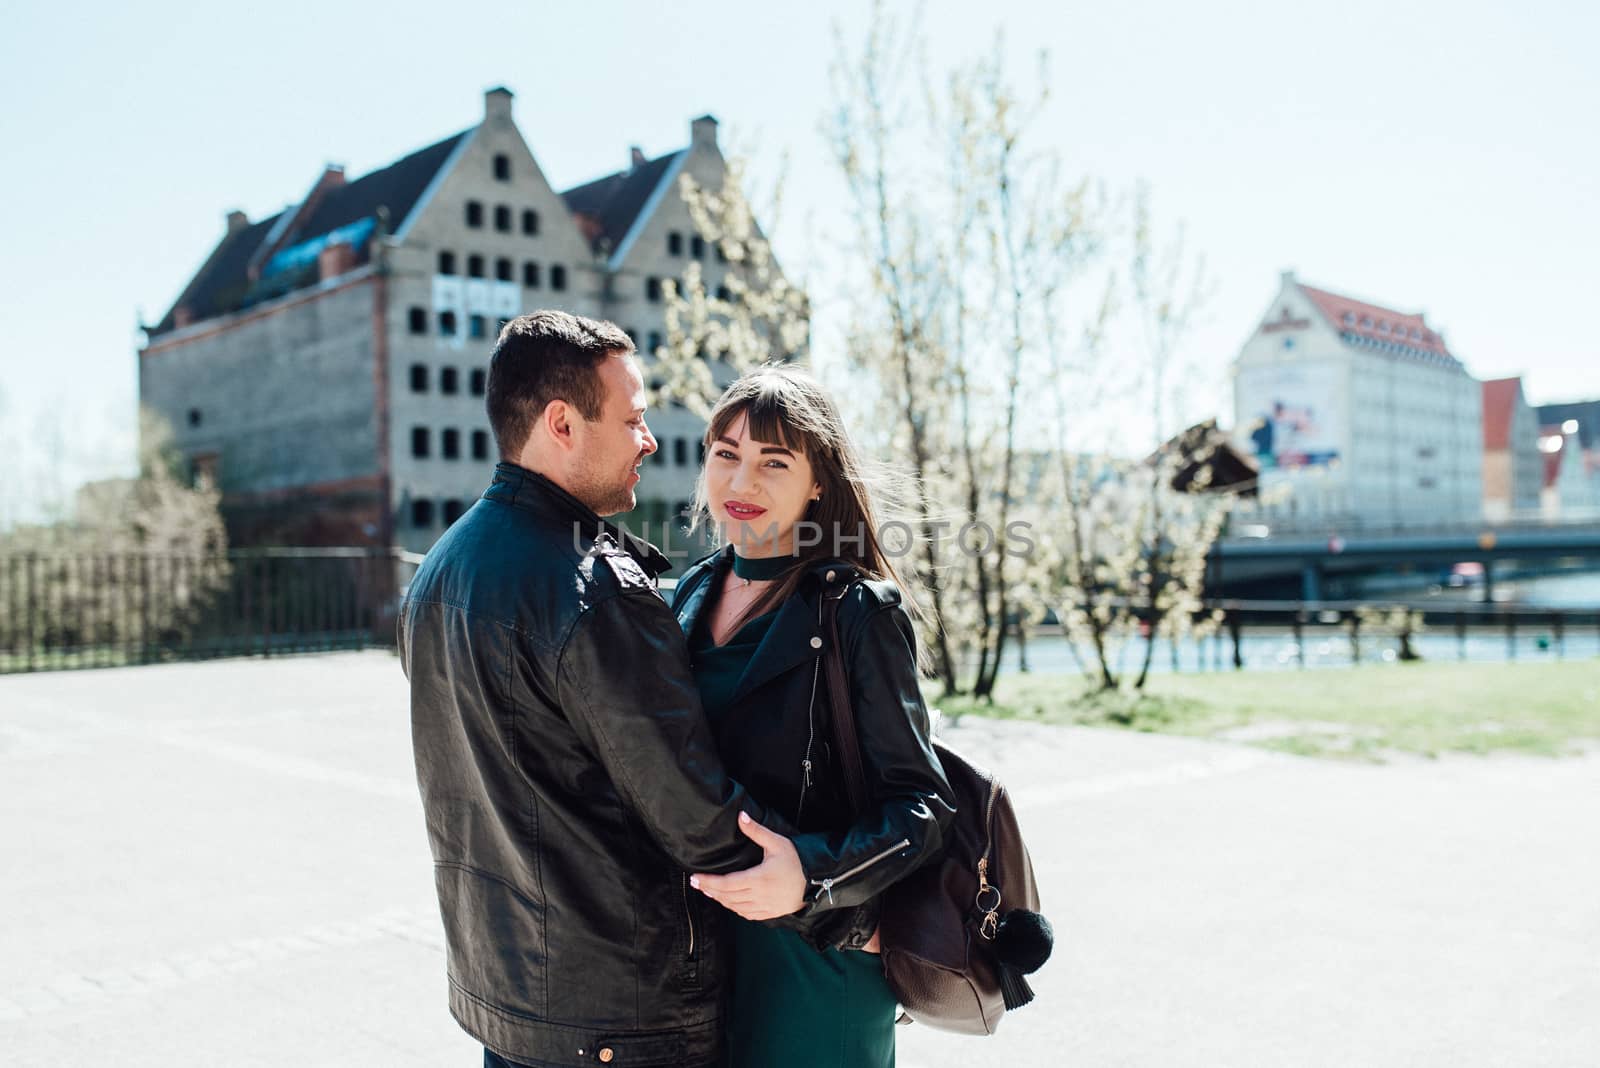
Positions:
(959, 934)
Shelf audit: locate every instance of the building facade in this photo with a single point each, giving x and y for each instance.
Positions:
(326, 366)
(1513, 469)
(1569, 443)
(1358, 416)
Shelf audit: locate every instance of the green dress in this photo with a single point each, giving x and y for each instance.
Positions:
(790, 1006)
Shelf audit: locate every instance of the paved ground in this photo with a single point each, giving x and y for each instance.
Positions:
(224, 863)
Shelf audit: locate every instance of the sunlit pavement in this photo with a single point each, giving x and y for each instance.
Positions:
(225, 863)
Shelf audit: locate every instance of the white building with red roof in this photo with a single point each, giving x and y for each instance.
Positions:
(1358, 415)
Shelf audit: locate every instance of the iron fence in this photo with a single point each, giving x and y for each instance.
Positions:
(61, 611)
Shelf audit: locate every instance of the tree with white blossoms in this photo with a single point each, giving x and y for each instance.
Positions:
(1132, 537)
(124, 535)
(958, 282)
(756, 316)
(964, 262)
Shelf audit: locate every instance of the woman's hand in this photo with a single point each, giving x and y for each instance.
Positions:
(773, 888)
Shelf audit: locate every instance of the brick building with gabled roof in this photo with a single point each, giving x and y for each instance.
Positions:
(325, 366)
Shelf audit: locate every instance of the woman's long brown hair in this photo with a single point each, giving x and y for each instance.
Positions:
(786, 406)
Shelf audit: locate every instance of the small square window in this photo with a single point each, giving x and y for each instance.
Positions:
(502, 167)
(558, 278)
(652, 290)
(480, 444)
(530, 222)
(475, 214)
(452, 511)
(479, 380)
(723, 293)
(674, 244)
(502, 218)
(530, 275)
(722, 257)
(422, 513)
(447, 263)
(419, 442)
(447, 324)
(477, 326)
(655, 341)
(419, 378)
(474, 266)
(450, 444)
(449, 380)
(697, 247)
(503, 269)
(680, 452)
(418, 320)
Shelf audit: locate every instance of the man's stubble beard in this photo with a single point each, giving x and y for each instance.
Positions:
(604, 496)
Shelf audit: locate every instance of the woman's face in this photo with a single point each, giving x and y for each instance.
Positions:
(757, 490)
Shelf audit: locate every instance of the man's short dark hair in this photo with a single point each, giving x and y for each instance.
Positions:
(546, 356)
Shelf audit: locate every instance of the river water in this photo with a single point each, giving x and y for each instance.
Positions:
(1275, 650)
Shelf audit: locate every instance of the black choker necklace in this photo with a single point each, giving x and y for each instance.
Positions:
(750, 569)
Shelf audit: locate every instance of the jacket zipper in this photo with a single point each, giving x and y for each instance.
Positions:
(811, 737)
(825, 886)
(688, 914)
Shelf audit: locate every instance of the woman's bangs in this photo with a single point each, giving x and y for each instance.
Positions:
(770, 421)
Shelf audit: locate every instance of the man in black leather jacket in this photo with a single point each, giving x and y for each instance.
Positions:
(568, 778)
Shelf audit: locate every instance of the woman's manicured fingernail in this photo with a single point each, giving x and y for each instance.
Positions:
(744, 817)
(694, 881)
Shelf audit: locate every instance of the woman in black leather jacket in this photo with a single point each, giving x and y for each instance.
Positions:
(783, 485)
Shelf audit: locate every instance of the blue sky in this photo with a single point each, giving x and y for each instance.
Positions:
(1432, 156)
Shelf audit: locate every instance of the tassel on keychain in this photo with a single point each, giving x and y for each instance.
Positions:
(1022, 943)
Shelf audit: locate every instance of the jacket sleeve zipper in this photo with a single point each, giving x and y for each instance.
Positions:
(825, 886)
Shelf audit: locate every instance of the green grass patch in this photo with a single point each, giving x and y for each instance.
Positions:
(1363, 713)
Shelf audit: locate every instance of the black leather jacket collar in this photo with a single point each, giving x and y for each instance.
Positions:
(796, 633)
(521, 488)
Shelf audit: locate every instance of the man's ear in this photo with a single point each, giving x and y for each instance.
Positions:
(557, 423)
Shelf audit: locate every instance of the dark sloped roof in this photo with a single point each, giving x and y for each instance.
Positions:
(616, 200)
(1587, 413)
(398, 187)
(222, 284)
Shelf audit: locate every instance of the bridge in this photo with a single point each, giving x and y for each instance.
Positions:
(1259, 555)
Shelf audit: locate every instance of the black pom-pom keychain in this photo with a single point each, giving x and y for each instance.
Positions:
(1022, 943)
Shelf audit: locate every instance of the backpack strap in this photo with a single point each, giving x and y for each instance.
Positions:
(842, 724)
